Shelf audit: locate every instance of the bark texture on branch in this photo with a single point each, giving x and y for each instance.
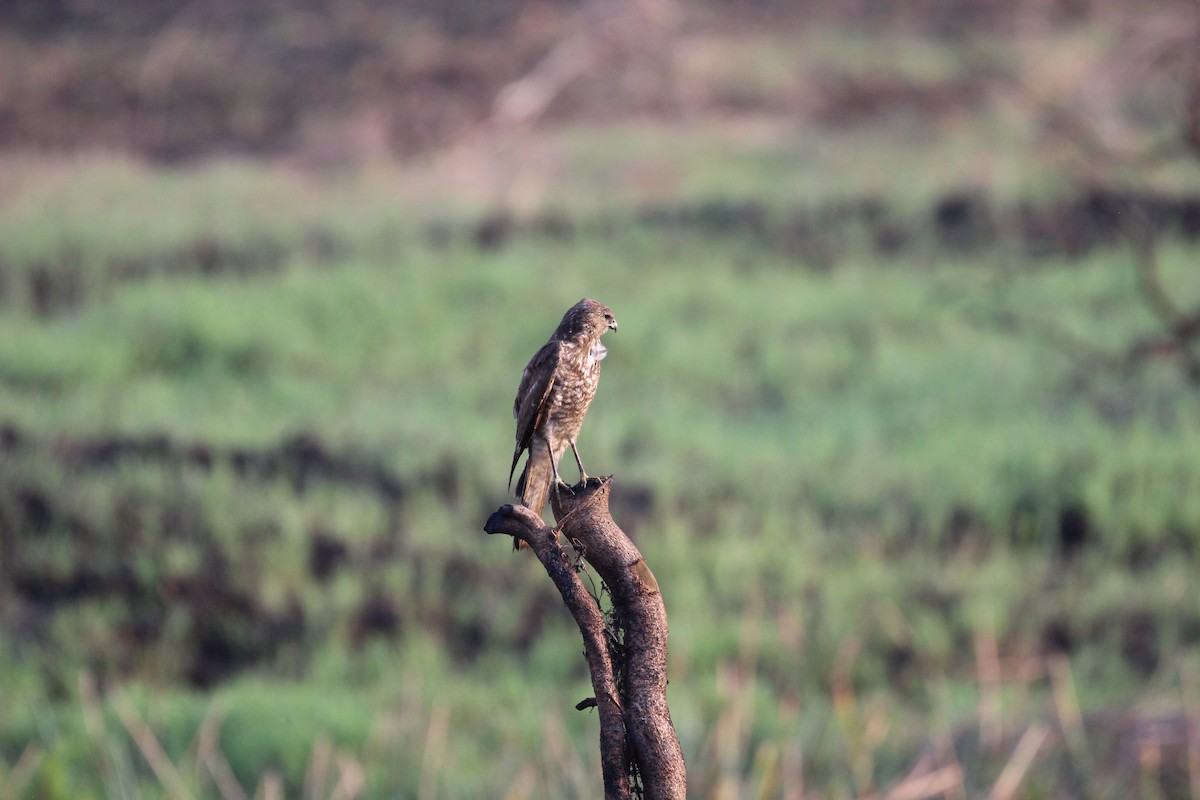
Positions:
(641, 619)
(522, 523)
(629, 664)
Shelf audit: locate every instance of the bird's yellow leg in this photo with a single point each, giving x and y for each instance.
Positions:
(558, 482)
(583, 476)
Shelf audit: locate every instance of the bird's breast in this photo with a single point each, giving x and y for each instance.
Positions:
(575, 383)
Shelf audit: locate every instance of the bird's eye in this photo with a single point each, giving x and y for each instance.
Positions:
(608, 317)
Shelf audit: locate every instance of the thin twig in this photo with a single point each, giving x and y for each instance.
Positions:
(1137, 231)
(1075, 347)
(1181, 327)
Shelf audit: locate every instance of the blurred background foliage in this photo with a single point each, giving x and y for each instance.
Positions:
(903, 408)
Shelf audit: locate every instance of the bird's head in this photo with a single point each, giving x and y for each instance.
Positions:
(589, 318)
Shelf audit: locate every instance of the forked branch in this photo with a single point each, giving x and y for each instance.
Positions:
(637, 738)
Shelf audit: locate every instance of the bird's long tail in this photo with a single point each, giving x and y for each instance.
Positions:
(533, 486)
(511, 470)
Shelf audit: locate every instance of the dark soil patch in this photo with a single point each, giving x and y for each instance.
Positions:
(302, 460)
(65, 283)
(959, 222)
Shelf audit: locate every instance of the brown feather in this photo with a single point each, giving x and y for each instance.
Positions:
(533, 485)
(556, 388)
(529, 406)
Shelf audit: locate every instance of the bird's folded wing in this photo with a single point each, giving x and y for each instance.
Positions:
(529, 406)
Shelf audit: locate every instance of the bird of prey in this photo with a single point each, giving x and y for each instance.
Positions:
(556, 388)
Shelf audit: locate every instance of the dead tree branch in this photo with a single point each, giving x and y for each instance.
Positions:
(522, 523)
(611, 35)
(637, 737)
(641, 621)
(1178, 337)
(1181, 328)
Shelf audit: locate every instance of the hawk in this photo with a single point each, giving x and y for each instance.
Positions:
(556, 388)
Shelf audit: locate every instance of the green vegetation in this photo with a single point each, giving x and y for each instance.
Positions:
(862, 412)
(854, 469)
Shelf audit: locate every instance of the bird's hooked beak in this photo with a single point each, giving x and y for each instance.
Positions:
(612, 326)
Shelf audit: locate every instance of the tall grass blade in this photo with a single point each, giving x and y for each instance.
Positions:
(151, 749)
(22, 773)
(1018, 764)
(435, 751)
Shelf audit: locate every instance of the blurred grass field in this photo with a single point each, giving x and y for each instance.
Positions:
(253, 415)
